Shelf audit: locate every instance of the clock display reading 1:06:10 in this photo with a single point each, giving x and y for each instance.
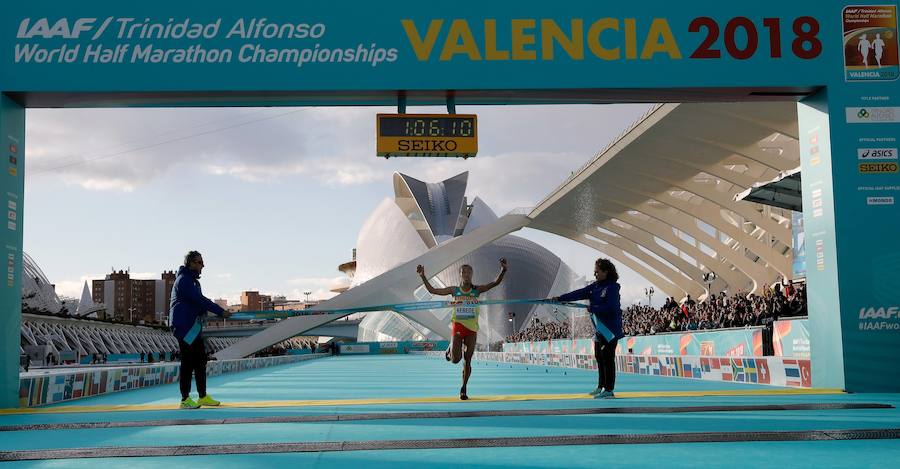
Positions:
(427, 127)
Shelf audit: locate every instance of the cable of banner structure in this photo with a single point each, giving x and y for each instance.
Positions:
(415, 306)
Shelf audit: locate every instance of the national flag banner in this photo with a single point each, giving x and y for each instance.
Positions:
(750, 370)
(805, 374)
(704, 364)
(792, 373)
(737, 370)
(714, 363)
(763, 371)
(688, 371)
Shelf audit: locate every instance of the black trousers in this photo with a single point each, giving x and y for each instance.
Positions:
(605, 353)
(193, 361)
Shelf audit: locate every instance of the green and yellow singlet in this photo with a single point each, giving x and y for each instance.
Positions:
(465, 308)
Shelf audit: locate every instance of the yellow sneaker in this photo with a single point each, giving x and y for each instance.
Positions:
(208, 401)
(189, 404)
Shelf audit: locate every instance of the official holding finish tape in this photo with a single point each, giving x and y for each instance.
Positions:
(606, 314)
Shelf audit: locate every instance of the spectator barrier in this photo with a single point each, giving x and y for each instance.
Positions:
(774, 371)
(376, 348)
(63, 385)
(744, 342)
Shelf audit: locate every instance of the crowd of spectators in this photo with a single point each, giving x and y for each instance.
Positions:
(551, 330)
(720, 311)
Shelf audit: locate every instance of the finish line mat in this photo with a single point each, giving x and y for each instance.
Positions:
(61, 409)
(442, 415)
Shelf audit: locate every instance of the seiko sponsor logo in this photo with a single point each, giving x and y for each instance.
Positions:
(60, 28)
(878, 168)
(876, 153)
(881, 312)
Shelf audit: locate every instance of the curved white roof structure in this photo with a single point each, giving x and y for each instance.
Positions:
(660, 199)
(37, 291)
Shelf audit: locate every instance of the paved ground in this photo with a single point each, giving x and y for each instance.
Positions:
(301, 406)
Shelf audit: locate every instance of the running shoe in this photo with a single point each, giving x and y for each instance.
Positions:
(189, 404)
(605, 395)
(208, 401)
(597, 391)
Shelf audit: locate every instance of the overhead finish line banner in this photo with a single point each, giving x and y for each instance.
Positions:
(838, 58)
(267, 45)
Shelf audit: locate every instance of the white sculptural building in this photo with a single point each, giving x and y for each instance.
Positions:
(424, 215)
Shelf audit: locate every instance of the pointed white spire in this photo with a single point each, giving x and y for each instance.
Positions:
(86, 301)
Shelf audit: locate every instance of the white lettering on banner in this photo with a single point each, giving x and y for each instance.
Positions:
(891, 312)
(800, 348)
(879, 326)
(130, 29)
(60, 28)
(260, 28)
(142, 32)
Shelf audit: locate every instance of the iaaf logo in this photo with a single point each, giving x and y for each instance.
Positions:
(60, 28)
(882, 312)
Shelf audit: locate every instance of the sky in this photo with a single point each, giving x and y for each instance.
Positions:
(272, 197)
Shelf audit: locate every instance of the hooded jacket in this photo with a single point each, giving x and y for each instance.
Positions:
(188, 304)
(605, 304)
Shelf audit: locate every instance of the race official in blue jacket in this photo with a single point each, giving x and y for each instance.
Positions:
(606, 314)
(186, 310)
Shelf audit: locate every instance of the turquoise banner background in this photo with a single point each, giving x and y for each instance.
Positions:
(12, 182)
(473, 45)
(798, 247)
